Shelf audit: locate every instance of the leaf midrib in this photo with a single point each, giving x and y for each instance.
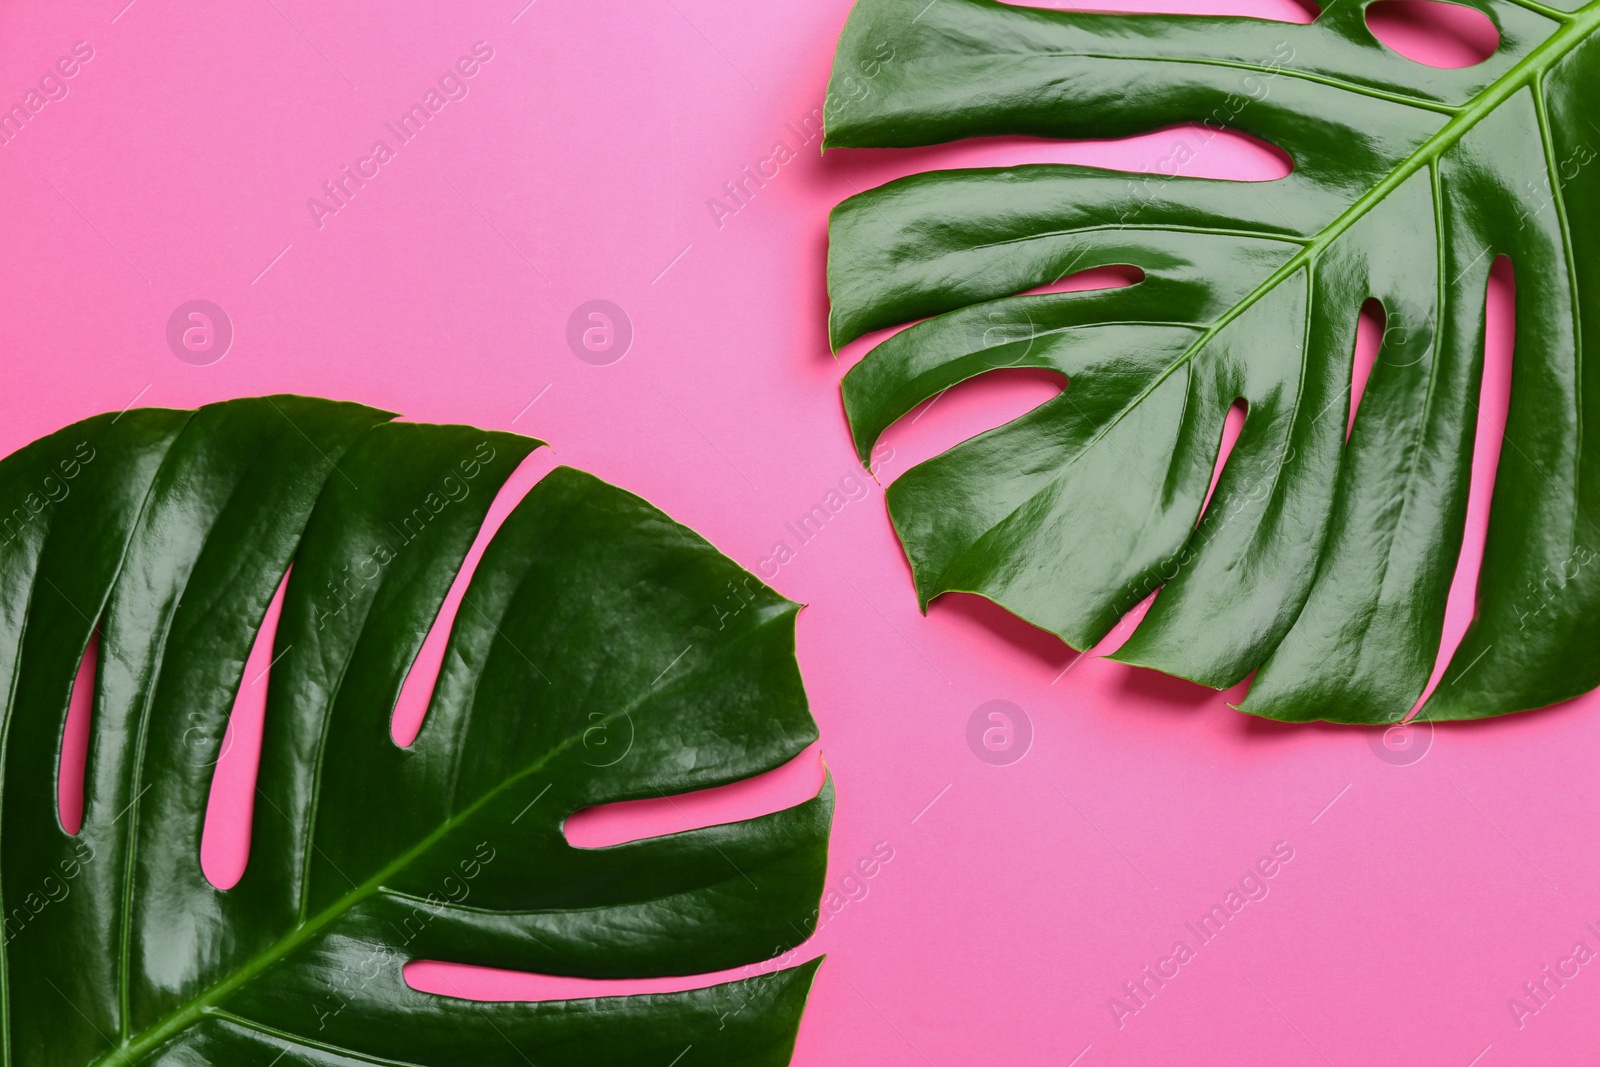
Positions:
(1537, 62)
(182, 1017)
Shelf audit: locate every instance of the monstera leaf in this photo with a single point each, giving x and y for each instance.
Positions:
(1322, 564)
(588, 663)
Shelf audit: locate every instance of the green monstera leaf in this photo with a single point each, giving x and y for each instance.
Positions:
(168, 532)
(1323, 565)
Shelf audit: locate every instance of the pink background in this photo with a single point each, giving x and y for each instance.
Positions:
(1019, 898)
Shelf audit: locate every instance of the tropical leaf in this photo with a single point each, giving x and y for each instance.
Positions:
(588, 663)
(1324, 564)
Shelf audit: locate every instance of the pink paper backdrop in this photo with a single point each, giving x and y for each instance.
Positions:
(1428, 881)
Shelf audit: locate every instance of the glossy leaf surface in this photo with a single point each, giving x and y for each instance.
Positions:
(587, 664)
(1323, 565)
